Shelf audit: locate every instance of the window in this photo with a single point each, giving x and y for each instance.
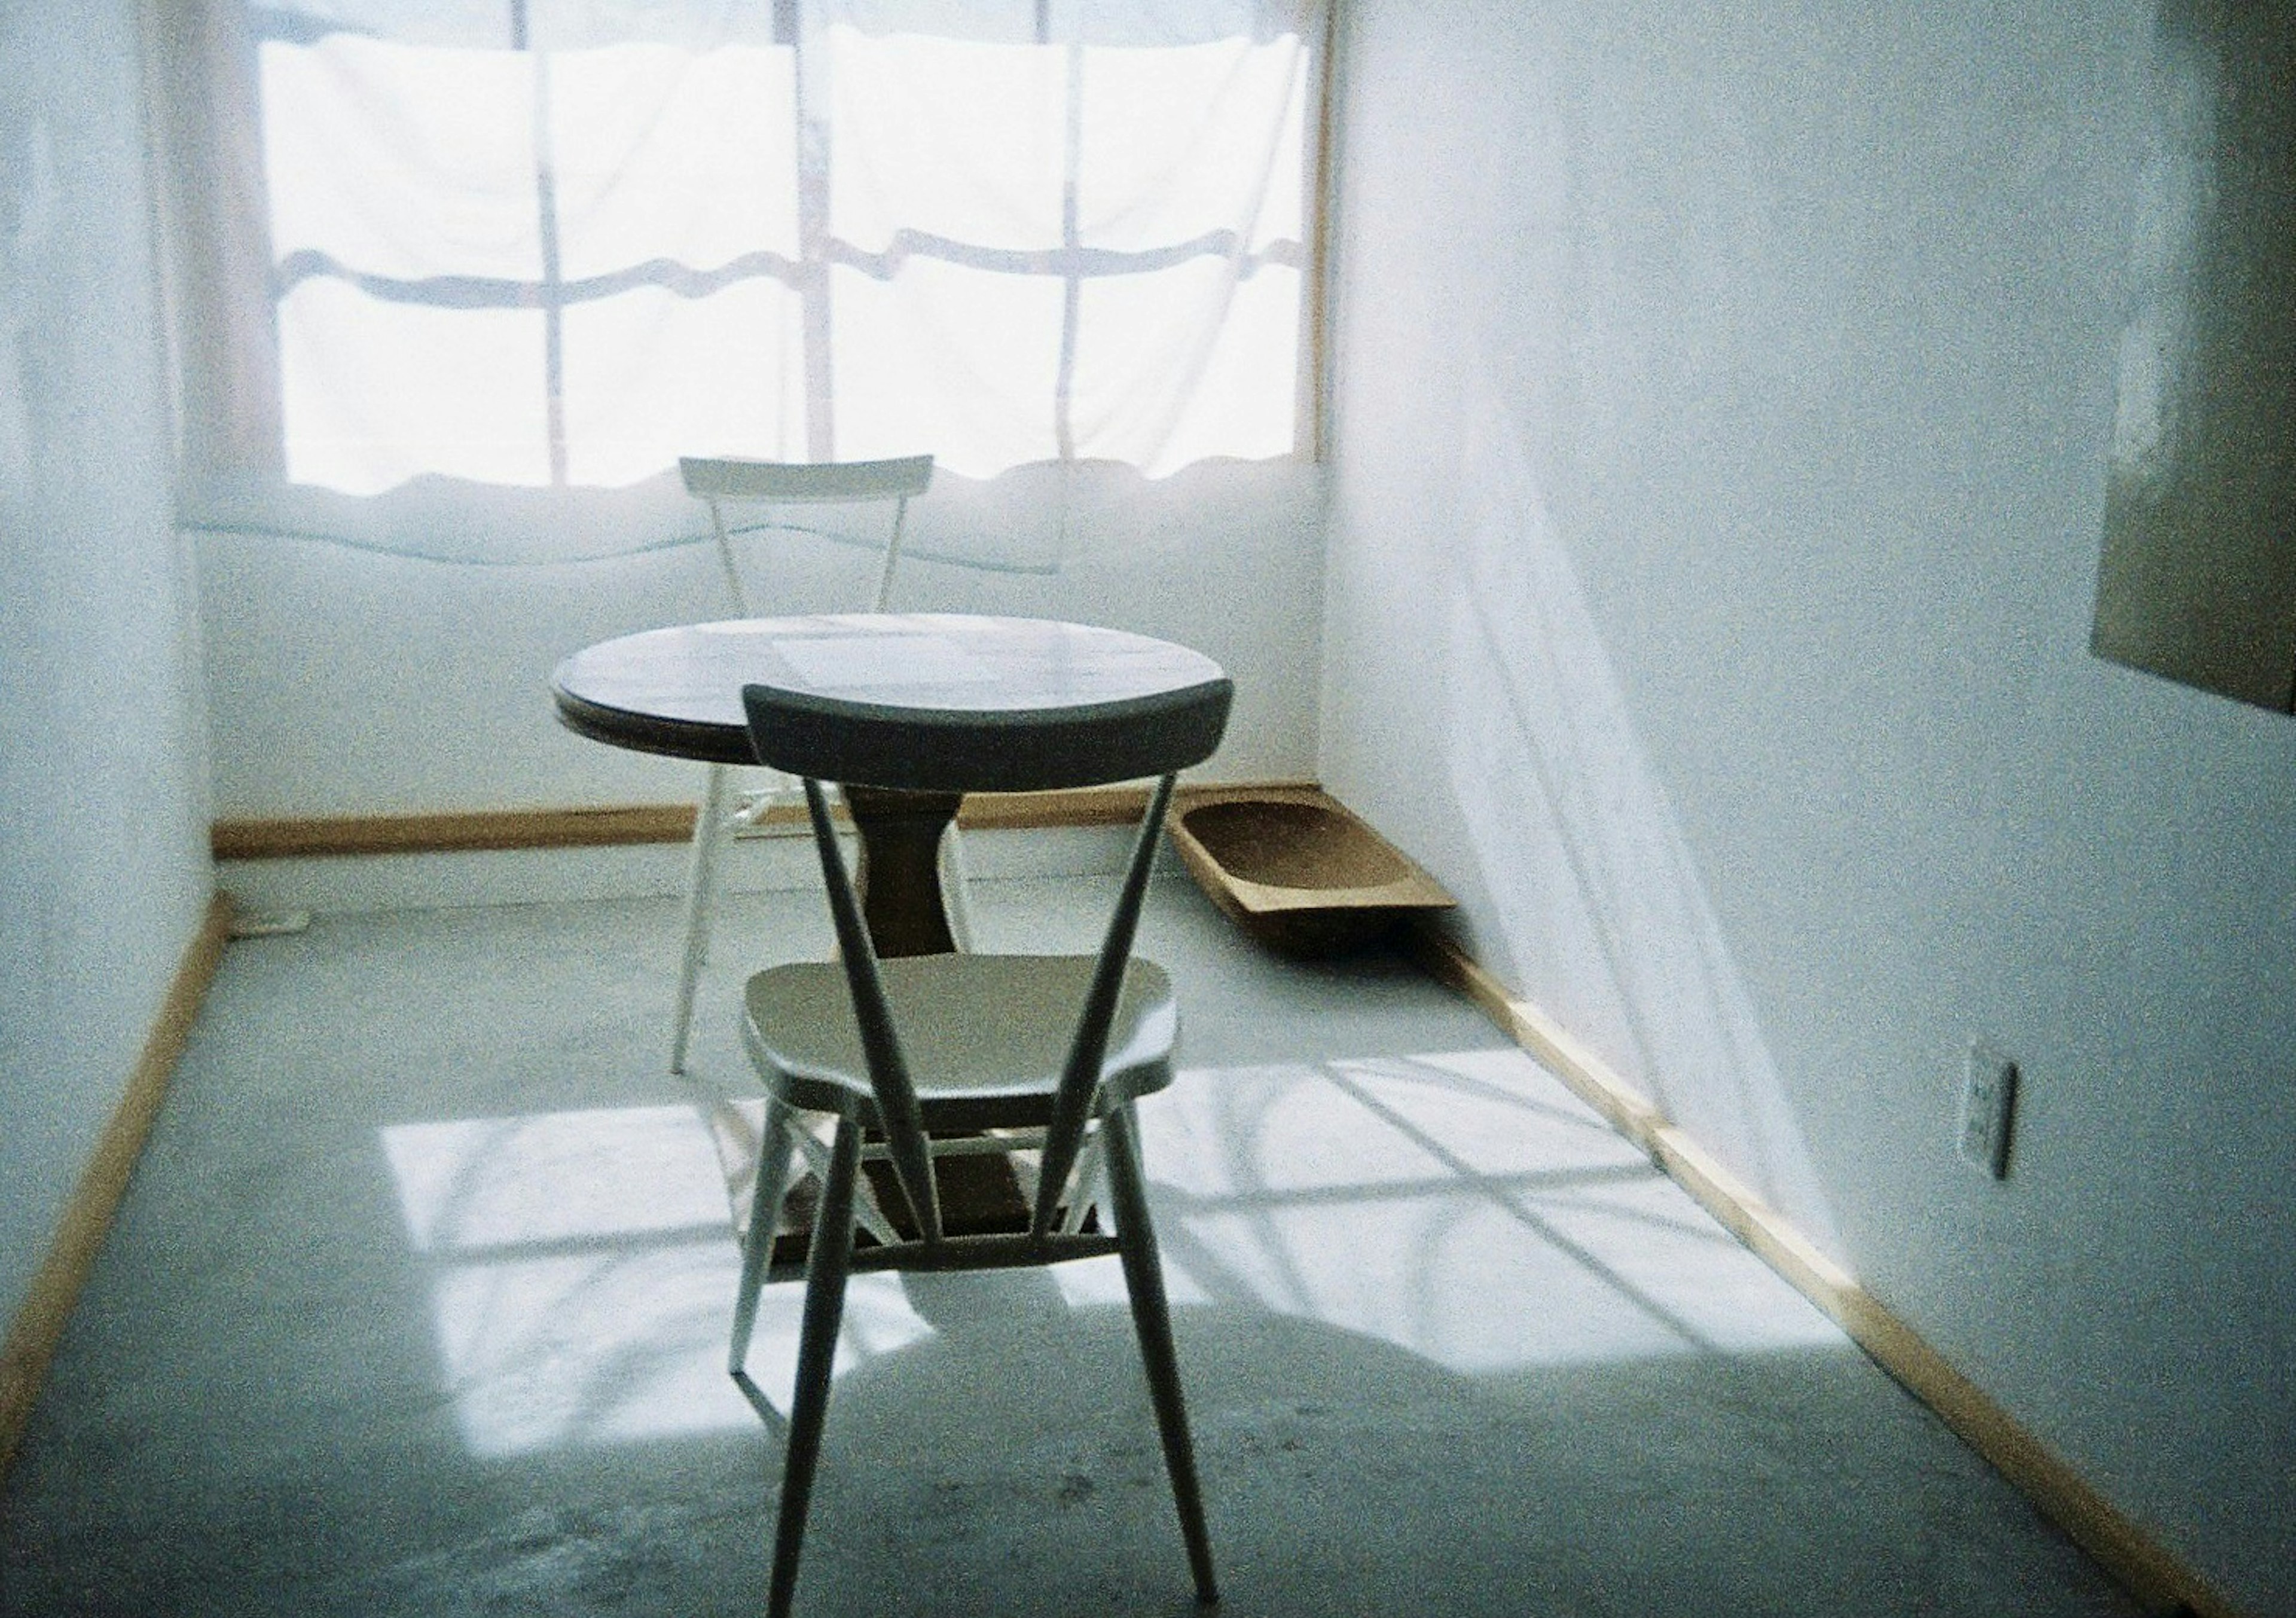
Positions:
(511, 243)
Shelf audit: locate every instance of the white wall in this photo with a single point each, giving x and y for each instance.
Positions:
(346, 682)
(1723, 398)
(103, 866)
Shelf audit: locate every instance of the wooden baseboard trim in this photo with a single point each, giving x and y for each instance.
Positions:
(39, 1323)
(482, 830)
(2158, 1580)
(454, 833)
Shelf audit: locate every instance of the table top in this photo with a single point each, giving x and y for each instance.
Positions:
(1102, 700)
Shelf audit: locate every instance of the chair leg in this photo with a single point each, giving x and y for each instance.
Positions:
(775, 1152)
(825, 1311)
(1151, 1318)
(701, 871)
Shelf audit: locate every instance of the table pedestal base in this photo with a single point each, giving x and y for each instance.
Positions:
(899, 873)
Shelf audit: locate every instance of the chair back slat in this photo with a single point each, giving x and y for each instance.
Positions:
(716, 481)
(806, 482)
(925, 750)
(899, 1114)
(1072, 1102)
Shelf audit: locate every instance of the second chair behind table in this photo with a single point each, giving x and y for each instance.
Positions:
(722, 483)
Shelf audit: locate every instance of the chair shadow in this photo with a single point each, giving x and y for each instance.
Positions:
(1008, 1462)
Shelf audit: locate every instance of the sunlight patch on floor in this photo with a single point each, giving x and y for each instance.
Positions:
(1463, 1206)
(586, 1278)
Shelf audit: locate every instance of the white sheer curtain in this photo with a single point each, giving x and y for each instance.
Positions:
(464, 277)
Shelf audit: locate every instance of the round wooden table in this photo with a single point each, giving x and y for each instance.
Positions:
(1079, 698)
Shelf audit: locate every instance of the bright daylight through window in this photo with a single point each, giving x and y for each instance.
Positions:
(544, 242)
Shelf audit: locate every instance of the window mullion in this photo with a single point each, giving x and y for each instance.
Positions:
(1071, 255)
(813, 160)
(550, 293)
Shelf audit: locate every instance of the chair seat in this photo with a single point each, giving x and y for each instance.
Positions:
(986, 1036)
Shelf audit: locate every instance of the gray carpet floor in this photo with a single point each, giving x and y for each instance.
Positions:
(417, 1305)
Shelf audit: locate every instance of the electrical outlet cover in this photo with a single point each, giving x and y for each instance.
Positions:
(1989, 1100)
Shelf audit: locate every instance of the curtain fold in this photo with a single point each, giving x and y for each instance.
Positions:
(464, 277)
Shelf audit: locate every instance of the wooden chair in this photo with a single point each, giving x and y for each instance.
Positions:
(1054, 1048)
(720, 483)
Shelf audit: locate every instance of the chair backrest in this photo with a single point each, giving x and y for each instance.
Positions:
(718, 482)
(956, 752)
